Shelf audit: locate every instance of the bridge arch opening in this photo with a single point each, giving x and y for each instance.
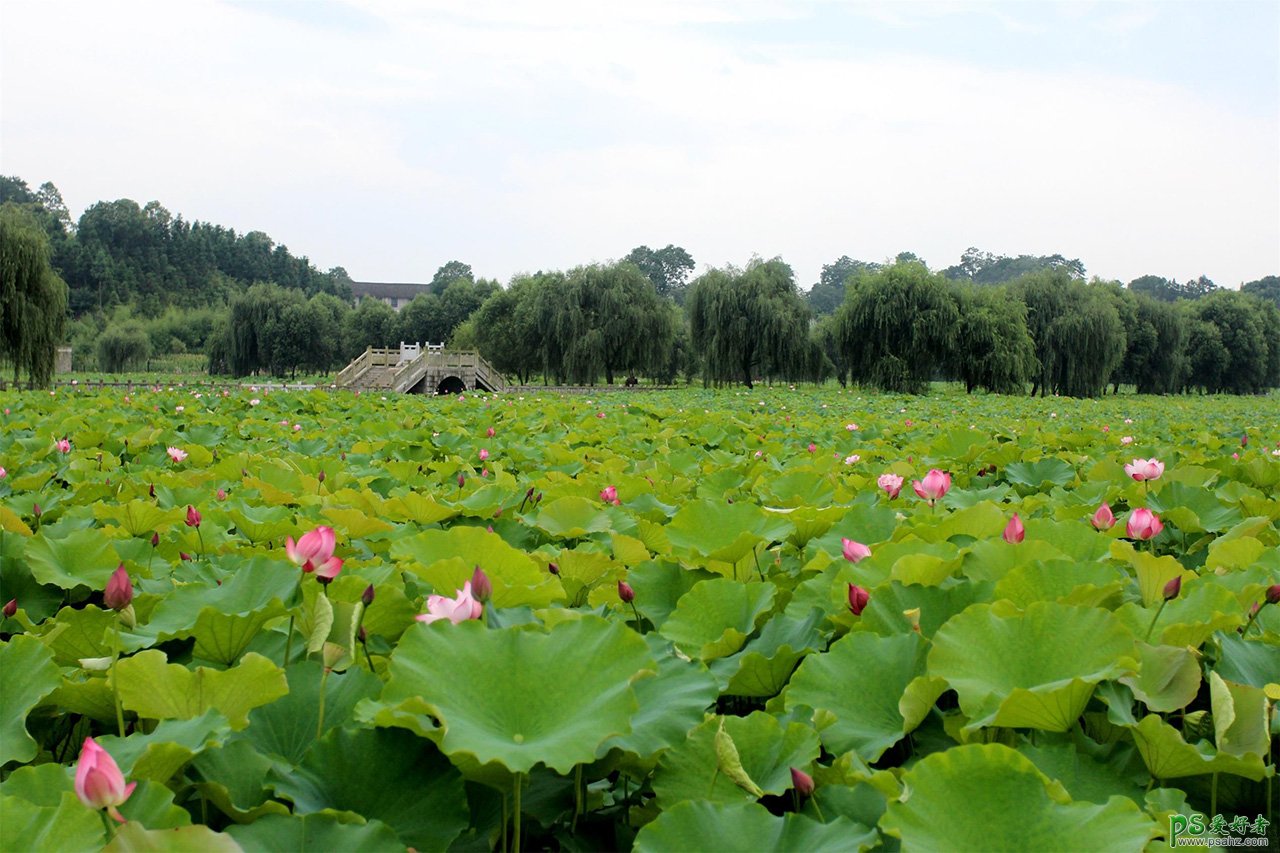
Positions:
(451, 385)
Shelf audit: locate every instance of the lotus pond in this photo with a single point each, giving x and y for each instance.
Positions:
(704, 621)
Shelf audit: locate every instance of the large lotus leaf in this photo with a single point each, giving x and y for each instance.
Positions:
(132, 837)
(159, 754)
(138, 517)
(1239, 717)
(315, 832)
(571, 518)
(988, 797)
(287, 727)
(1078, 541)
(747, 828)
(261, 523)
(714, 617)
(80, 633)
(151, 804)
(381, 774)
(1090, 772)
(660, 585)
(1035, 669)
(1168, 679)
(78, 558)
(981, 521)
(810, 522)
(516, 578)
(1152, 572)
(258, 585)
(158, 690)
(233, 781)
(1168, 756)
(1086, 584)
(937, 604)
(67, 827)
(30, 674)
(1188, 620)
(1238, 553)
(1194, 509)
(724, 531)
(421, 509)
(671, 704)
(765, 665)
(767, 747)
(989, 560)
(500, 694)
(859, 681)
(1248, 661)
(797, 489)
(1040, 475)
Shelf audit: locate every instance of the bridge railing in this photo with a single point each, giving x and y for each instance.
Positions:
(371, 357)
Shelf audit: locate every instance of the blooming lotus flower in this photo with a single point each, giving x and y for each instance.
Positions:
(609, 494)
(99, 782)
(1103, 519)
(891, 483)
(1144, 469)
(1143, 524)
(1126, 439)
(852, 458)
(312, 549)
(193, 517)
(62, 445)
(119, 591)
(176, 454)
(934, 485)
(484, 454)
(812, 447)
(3, 473)
(858, 598)
(851, 427)
(1014, 532)
(456, 610)
(854, 551)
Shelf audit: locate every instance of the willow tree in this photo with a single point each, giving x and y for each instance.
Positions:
(33, 299)
(506, 333)
(993, 348)
(897, 327)
(1155, 358)
(748, 324)
(1079, 336)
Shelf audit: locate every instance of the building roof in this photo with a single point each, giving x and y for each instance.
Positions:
(387, 289)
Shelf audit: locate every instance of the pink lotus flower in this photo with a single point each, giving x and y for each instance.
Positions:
(802, 782)
(934, 485)
(858, 598)
(119, 591)
(99, 782)
(484, 454)
(327, 570)
(312, 549)
(1014, 532)
(851, 427)
(1103, 519)
(193, 516)
(10, 607)
(489, 432)
(1144, 469)
(1143, 524)
(1126, 439)
(891, 483)
(812, 447)
(456, 610)
(221, 494)
(852, 459)
(176, 454)
(481, 586)
(625, 592)
(1172, 588)
(854, 551)
(62, 445)
(3, 473)
(609, 494)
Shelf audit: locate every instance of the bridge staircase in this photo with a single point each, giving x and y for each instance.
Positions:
(414, 370)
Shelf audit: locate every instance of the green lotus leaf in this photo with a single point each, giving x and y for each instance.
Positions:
(993, 798)
(981, 521)
(1085, 584)
(286, 728)
(30, 675)
(713, 618)
(1168, 756)
(765, 664)
(261, 523)
(1194, 509)
(1089, 771)
(659, 586)
(11, 522)
(860, 680)
(132, 837)
(747, 828)
(257, 586)
(1168, 678)
(1239, 553)
(724, 531)
(79, 558)
(767, 747)
(68, 827)
(517, 579)
(1074, 539)
(161, 753)
(1039, 476)
(151, 804)
(233, 781)
(670, 704)
(138, 517)
(315, 832)
(1035, 669)
(936, 604)
(1252, 661)
(158, 690)
(1239, 717)
(75, 634)
(1188, 620)
(418, 508)
(571, 518)
(381, 774)
(797, 489)
(511, 707)
(811, 522)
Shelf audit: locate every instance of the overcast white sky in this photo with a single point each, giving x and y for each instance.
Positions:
(390, 136)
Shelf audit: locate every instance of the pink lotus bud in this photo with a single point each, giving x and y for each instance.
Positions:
(462, 481)
(3, 473)
(484, 454)
(119, 591)
(625, 592)
(63, 445)
(155, 539)
(481, 588)
(1244, 439)
(151, 490)
(1144, 469)
(99, 782)
(1172, 588)
(184, 556)
(1014, 532)
(320, 477)
(802, 782)
(489, 432)
(858, 598)
(221, 494)
(1273, 594)
(1103, 519)
(553, 568)
(36, 511)
(934, 485)
(1143, 524)
(366, 597)
(891, 483)
(609, 494)
(854, 551)
(812, 447)
(193, 517)
(10, 607)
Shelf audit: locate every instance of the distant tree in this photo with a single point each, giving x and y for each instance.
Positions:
(1267, 288)
(1169, 290)
(1155, 345)
(448, 274)
(982, 267)
(420, 321)
(827, 295)
(667, 268)
(897, 327)
(33, 299)
(1236, 355)
(123, 347)
(506, 329)
(371, 324)
(746, 324)
(993, 347)
(1079, 336)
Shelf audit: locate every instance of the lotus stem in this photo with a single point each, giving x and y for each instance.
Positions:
(1159, 610)
(577, 799)
(115, 680)
(324, 677)
(288, 643)
(201, 537)
(515, 825)
(108, 823)
(1213, 795)
(817, 808)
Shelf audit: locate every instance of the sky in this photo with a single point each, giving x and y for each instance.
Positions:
(391, 136)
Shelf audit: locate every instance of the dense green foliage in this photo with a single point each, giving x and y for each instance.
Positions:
(680, 648)
(33, 299)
